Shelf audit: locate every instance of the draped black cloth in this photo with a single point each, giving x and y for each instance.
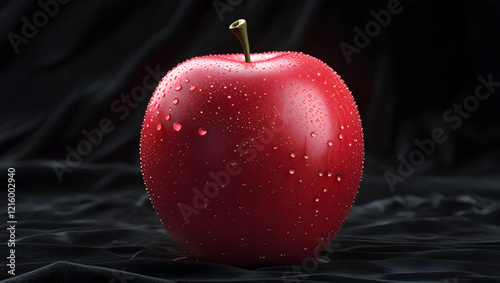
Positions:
(419, 71)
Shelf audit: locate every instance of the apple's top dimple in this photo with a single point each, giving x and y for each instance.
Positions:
(256, 57)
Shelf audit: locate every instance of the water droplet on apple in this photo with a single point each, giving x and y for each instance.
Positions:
(167, 117)
(316, 199)
(178, 87)
(291, 171)
(170, 109)
(175, 101)
(192, 87)
(177, 126)
(158, 127)
(293, 154)
(339, 176)
(341, 127)
(229, 96)
(320, 173)
(313, 134)
(186, 80)
(330, 143)
(329, 173)
(318, 74)
(202, 131)
(341, 136)
(325, 190)
(306, 156)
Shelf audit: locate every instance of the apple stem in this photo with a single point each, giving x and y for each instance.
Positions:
(239, 28)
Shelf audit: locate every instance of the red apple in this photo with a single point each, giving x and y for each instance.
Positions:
(252, 162)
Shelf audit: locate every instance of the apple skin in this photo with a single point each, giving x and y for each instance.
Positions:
(252, 163)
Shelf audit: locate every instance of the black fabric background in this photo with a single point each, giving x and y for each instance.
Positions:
(97, 225)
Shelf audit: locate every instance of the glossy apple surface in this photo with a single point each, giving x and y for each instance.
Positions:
(252, 163)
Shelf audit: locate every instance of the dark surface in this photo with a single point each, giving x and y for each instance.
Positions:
(96, 224)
